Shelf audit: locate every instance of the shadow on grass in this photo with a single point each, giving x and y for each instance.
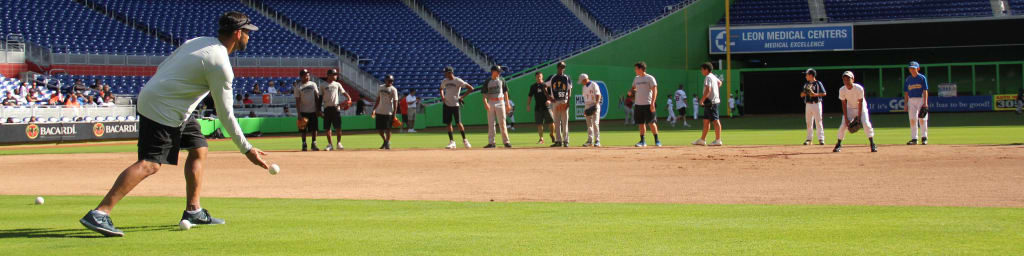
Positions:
(73, 233)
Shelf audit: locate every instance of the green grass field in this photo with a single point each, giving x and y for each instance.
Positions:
(945, 128)
(347, 227)
(342, 227)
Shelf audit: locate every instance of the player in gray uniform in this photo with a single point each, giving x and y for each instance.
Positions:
(332, 92)
(307, 101)
(452, 95)
(645, 93)
(384, 110)
(495, 94)
(561, 92)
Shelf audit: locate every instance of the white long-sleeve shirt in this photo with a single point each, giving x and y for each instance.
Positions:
(198, 67)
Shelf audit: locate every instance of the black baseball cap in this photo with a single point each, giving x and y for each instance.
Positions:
(303, 72)
(448, 69)
(496, 68)
(389, 78)
(234, 20)
(812, 72)
(332, 72)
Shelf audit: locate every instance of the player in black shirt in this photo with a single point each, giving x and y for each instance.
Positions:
(539, 94)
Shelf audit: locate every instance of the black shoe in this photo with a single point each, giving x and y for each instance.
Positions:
(565, 144)
(508, 145)
(201, 218)
(101, 223)
(821, 142)
(807, 142)
(874, 148)
(557, 144)
(489, 145)
(387, 145)
(304, 147)
(924, 140)
(837, 149)
(383, 146)
(314, 147)
(912, 142)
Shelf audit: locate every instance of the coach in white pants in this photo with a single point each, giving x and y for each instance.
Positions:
(812, 106)
(852, 97)
(592, 99)
(495, 94)
(915, 98)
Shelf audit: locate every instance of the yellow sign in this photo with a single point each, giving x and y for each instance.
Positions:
(1005, 102)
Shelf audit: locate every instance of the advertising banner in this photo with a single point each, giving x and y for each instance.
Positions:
(22, 133)
(763, 39)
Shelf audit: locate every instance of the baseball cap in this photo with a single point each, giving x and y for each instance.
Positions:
(389, 78)
(303, 72)
(448, 69)
(584, 76)
(496, 68)
(848, 73)
(914, 64)
(811, 71)
(561, 65)
(234, 20)
(332, 72)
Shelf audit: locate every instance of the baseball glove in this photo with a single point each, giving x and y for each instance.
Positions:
(395, 123)
(923, 113)
(590, 111)
(345, 105)
(808, 89)
(301, 123)
(855, 125)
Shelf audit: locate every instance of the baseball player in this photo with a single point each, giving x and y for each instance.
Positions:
(812, 94)
(1020, 101)
(710, 102)
(452, 95)
(645, 94)
(495, 93)
(511, 117)
(307, 101)
(695, 108)
(414, 105)
(680, 100)
(592, 99)
(198, 67)
(671, 110)
(627, 105)
(332, 92)
(539, 93)
(384, 110)
(915, 97)
(561, 92)
(854, 108)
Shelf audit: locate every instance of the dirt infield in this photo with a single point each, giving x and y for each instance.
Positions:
(899, 175)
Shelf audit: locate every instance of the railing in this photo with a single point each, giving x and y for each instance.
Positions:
(451, 32)
(44, 113)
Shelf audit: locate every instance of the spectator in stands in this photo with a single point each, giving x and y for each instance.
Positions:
(256, 89)
(286, 112)
(10, 100)
(97, 85)
(80, 86)
(18, 95)
(252, 113)
(22, 91)
(33, 119)
(82, 100)
(247, 101)
(238, 97)
(10, 120)
(55, 99)
(31, 98)
(360, 105)
(106, 91)
(108, 100)
(272, 87)
(71, 100)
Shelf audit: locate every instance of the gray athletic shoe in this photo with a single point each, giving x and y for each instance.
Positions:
(201, 218)
(101, 223)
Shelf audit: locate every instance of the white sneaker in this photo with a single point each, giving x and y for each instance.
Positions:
(451, 145)
(700, 142)
(339, 147)
(412, 130)
(465, 142)
(717, 142)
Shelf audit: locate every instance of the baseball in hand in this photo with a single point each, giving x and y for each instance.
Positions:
(274, 169)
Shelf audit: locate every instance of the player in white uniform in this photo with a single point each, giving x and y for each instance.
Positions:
(198, 68)
(854, 106)
(812, 106)
(592, 100)
(695, 108)
(680, 100)
(671, 107)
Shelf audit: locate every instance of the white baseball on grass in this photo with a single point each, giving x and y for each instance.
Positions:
(185, 225)
(39, 200)
(274, 169)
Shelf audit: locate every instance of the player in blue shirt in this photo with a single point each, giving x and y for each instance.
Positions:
(915, 100)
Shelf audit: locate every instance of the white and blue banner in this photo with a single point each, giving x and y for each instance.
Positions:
(935, 104)
(765, 39)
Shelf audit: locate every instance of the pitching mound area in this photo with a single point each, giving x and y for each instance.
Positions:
(934, 175)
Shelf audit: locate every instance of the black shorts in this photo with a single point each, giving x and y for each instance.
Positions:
(682, 111)
(312, 122)
(384, 121)
(332, 118)
(542, 116)
(642, 114)
(160, 144)
(711, 112)
(450, 114)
